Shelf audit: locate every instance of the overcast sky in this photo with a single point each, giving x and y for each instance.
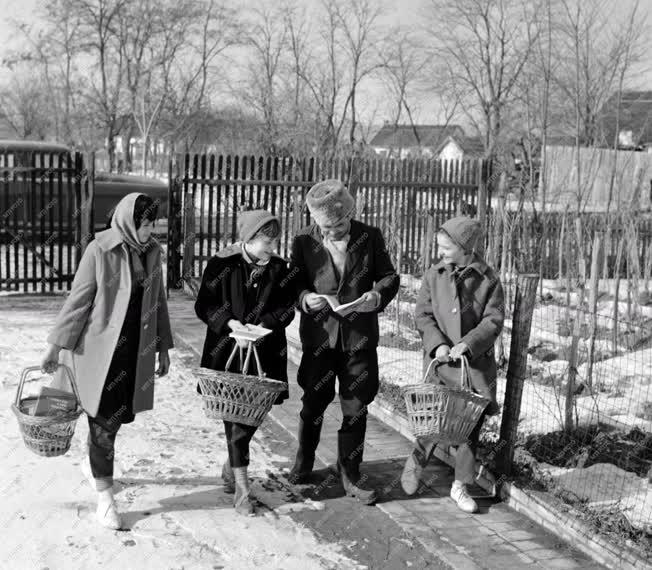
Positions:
(406, 12)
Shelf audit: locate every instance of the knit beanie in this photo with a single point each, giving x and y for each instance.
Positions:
(464, 231)
(251, 221)
(329, 202)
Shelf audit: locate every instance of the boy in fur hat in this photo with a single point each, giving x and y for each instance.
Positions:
(246, 283)
(339, 256)
(459, 312)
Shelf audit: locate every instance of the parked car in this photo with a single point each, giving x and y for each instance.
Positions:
(36, 172)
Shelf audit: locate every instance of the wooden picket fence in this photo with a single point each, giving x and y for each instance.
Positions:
(45, 219)
(400, 196)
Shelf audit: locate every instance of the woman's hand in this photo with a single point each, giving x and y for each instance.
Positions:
(442, 354)
(458, 351)
(50, 360)
(163, 363)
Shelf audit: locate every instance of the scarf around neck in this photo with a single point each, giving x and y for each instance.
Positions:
(123, 222)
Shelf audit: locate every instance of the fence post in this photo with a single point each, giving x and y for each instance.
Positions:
(78, 214)
(87, 205)
(174, 226)
(483, 198)
(426, 254)
(593, 305)
(188, 239)
(525, 295)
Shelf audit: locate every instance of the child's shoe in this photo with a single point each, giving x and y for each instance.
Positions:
(107, 512)
(462, 498)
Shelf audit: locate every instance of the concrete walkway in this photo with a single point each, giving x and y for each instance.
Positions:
(496, 537)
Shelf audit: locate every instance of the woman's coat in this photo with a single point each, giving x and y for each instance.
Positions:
(439, 313)
(222, 297)
(88, 325)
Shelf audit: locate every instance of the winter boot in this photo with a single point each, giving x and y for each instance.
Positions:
(228, 479)
(242, 502)
(309, 434)
(350, 446)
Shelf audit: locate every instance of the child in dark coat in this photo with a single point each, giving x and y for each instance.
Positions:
(459, 312)
(246, 283)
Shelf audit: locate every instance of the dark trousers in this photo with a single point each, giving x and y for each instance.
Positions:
(357, 374)
(238, 437)
(101, 450)
(464, 458)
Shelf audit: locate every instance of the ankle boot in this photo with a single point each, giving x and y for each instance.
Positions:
(309, 434)
(228, 478)
(242, 501)
(350, 446)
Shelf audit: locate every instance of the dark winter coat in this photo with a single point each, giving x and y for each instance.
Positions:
(474, 317)
(268, 302)
(368, 266)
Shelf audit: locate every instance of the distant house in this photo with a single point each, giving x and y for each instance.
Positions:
(630, 120)
(426, 141)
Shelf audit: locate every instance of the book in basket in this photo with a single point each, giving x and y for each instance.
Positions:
(51, 401)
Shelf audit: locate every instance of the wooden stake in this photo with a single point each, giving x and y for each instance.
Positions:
(525, 296)
(593, 305)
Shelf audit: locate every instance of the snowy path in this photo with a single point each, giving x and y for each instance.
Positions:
(166, 464)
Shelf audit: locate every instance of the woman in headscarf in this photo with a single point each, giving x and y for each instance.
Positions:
(108, 332)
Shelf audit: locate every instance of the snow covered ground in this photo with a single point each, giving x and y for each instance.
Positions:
(167, 464)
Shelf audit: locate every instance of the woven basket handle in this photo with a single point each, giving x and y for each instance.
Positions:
(251, 347)
(465, 381)
(27, 371)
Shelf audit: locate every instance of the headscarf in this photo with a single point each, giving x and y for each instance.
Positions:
(123, 222)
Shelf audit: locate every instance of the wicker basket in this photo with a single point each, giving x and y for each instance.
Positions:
(235, 397)
(448, 413)
(48, 435)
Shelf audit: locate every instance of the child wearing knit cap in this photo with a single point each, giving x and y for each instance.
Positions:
(459, 312)
(246, 283)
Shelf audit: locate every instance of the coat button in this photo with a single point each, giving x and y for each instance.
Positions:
(145, 326)
(454, 309)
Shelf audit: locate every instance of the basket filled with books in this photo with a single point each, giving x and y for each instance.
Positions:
(48, 417)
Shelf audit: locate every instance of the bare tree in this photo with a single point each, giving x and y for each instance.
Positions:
(24, 105)
(484, 46)
(98, 26)
(268, 43)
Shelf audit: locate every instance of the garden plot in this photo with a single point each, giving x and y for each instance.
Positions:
(621, 391)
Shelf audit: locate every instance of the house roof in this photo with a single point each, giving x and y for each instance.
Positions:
(635, 115)
(407, 136)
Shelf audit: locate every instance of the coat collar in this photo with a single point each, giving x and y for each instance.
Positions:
(478, 264)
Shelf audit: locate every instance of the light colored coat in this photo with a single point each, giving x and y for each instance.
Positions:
(89, 324)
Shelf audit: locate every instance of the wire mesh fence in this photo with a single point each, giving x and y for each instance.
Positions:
(585, 422)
